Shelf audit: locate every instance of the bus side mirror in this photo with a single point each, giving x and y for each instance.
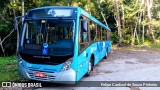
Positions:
(84, 26)
(16, 21)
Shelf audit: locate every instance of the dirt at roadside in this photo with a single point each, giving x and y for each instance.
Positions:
(128, 56)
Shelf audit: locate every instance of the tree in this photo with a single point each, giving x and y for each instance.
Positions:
(118, 21)
(150, 27)
(136, 20)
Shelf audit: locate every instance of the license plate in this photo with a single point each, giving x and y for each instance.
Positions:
(40, 74)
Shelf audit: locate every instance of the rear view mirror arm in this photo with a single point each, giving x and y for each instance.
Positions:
(16, 21)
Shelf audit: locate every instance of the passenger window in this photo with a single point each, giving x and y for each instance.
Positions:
(92, 31)
(104, 34)
(84, 30)
(108, 35)
(83, 33)
(98, 33)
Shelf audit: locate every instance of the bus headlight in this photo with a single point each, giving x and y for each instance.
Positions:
(20, 62)
(66, 66)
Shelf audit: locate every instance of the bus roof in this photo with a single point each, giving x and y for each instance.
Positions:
(71, 7)
(83, 12)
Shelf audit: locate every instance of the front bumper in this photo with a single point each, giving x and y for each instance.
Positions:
(66, 77)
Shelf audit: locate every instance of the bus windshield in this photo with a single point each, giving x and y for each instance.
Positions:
(57, 33)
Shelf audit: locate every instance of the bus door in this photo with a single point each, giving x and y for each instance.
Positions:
(83, 55)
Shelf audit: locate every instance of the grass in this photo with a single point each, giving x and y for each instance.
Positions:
(146, 46)
(156, 46)
(152, 46)
(9, 69)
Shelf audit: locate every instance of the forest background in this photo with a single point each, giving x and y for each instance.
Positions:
(132, 22)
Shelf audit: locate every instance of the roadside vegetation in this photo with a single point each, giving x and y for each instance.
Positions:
(8, 69)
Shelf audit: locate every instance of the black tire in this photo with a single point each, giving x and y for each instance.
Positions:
(105, 57)
(90, 67)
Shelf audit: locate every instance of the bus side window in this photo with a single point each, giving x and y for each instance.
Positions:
(92, 31)
(104, 34)
(83, 33)
(98, 33)
(84, 30)
(108, 35)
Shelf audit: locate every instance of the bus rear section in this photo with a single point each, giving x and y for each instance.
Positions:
(46, 47)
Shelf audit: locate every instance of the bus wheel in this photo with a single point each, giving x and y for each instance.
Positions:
(90, 67)
(105, 57)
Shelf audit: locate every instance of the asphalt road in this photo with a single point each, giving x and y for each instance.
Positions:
(122, 65)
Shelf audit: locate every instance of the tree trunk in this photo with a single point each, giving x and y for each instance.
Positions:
(75, 3)
(1, 41)
(88, 7)
(149, 6)
(104, 18)
(143, 35)
(143, 13)
(140, 19)
(123, 19)
(118, 20)
(135, 34)
(98, 3)
(17, 38)
(1, 44)
(68, 2)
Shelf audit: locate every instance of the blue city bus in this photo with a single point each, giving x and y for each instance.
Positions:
(61, 44)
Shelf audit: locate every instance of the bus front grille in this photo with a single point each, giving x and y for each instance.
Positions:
(48, 76)
(45, 70)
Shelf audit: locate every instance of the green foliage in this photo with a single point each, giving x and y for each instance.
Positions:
(8, 69)
(115, 37)
(11, 8)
